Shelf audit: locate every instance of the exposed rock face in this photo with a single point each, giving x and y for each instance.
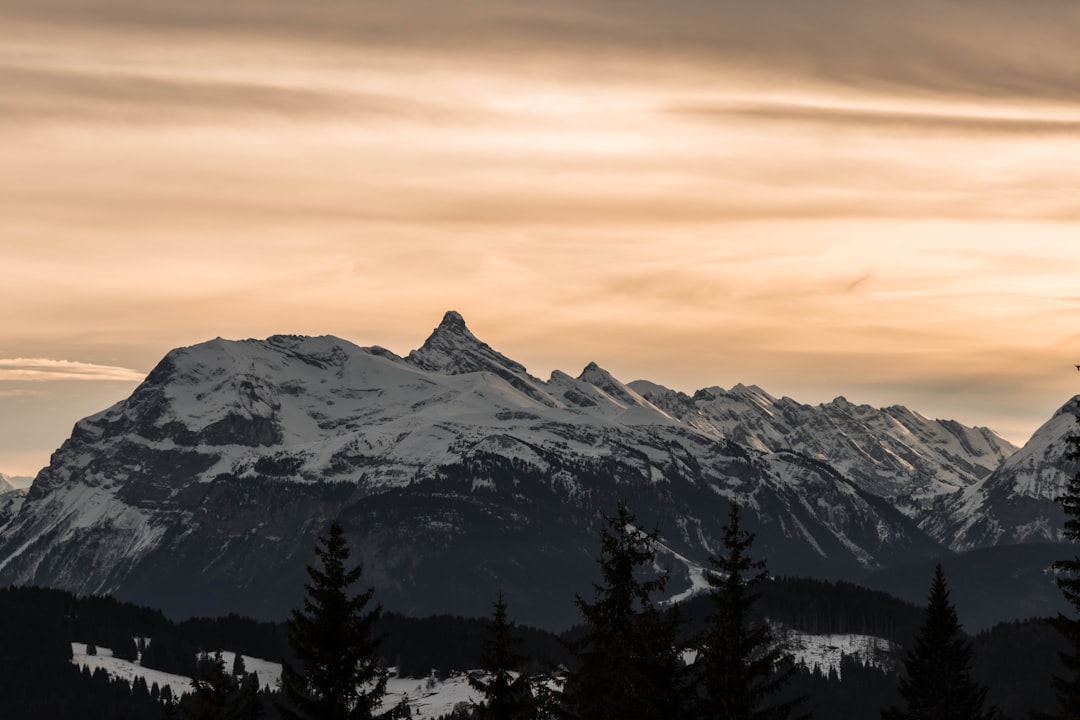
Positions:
(457, 474)
(892, 452)
(1017, 502)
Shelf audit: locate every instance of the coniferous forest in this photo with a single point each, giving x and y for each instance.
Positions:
(1014, 661)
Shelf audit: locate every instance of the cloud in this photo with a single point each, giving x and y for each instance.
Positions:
(50, 93)
(19, 392)
(894, 120)
(991, 48)
(47, 370)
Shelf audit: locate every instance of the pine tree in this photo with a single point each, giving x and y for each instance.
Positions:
(1067, 689)
(339, 677)
(630, 666)
(937, 682)
(507, 692)
(738, 666)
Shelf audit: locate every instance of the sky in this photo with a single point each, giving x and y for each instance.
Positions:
(820, 197)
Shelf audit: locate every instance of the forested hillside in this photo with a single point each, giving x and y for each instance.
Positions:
(37, 679)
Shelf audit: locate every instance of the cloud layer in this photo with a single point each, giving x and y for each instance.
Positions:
(811, 196)
(46, 370)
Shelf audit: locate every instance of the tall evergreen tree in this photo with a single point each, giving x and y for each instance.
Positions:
(630, 666)
(739, 666)
(339, 677)
(507, 692)
(937, 682)
(1067, 689)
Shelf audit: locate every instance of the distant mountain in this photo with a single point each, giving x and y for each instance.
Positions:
(14, 482)
(11, 499)
(458, 474)
(1017, 502)
(892, 452)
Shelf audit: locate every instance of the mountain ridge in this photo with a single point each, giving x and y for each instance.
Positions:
(215, 475)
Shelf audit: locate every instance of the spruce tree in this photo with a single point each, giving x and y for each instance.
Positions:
(1067, 689)
(738, 666)
(506, 691)
(629, 665)
(937, 682)
(339, 677)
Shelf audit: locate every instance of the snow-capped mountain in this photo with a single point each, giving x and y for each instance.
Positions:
(1017, 502)
(891, 452)
(5, 484)
(11, 499)
(456, 474)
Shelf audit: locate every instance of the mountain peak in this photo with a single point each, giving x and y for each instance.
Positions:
(452, 348)
(453, 320)
(592, 368)
(602, 379)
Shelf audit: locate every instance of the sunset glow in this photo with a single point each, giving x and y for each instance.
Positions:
(819, 198)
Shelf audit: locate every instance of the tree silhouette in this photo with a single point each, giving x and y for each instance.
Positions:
(339, 677)
(629, 663)
(937, 682)
(507, 692)
(738, 666)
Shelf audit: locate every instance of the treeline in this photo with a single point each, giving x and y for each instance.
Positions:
(37, 679)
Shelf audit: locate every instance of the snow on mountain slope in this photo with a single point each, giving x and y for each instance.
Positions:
(827, 651)
(892, 452)
(11, 500)
(1017, 502)
(456, 473)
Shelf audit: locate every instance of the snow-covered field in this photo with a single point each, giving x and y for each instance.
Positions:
(127, 670)
(433, 697)
(428, 697)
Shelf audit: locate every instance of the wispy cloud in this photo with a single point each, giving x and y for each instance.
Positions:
(19, 393)
(877, 119)
(994, 48)
(47, 370)
(36, 93)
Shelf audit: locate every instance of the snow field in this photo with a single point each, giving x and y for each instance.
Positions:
(428, 697)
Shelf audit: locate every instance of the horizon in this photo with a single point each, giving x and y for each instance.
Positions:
(819, 199)
(29, 471)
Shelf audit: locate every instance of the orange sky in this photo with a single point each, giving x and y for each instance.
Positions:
(822, 198)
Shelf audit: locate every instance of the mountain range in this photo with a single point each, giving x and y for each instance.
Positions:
(458, 474)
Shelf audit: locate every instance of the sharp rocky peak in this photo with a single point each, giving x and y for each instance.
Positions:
(593, 371)
(602, 379)
(453, 322)
(452, 348)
